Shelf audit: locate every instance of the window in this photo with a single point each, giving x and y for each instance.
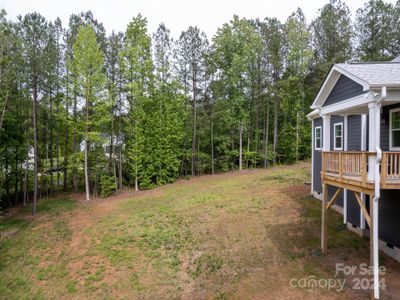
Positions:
(338, 134)
(318, 138)
(395, 129)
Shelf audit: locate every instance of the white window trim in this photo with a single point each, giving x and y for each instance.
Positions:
(391, 148)
(320, 137)
(334, 136)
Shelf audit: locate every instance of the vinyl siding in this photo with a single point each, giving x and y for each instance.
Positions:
(317, 163)
(385, 126)
(332, 189)
(353, 144)
(389, 220)
(345, 88)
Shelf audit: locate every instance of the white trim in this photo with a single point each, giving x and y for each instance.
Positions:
(363, 132)
(330, 82)
(315, 137)
(345, 147)
(326, 88)
(312, 155)
(391, 148)
(334, 136)
(345, 105)
(360, 81)
(326, 135)
(363, 148)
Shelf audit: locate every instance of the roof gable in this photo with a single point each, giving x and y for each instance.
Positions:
(330, 82)
(344, 88)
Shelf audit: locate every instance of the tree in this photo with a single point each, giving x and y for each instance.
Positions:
(114, 46)
(373, 30)
(332, 34)
(235, 48)
(165, 121)
(190, 54)
(298, 58)
(33, 29)
(137, 67)
(88, 63)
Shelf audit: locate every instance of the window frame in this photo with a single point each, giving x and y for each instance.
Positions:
(391, 147)
(320, 137)
(335, 137)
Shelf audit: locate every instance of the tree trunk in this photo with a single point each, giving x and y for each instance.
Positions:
(110, 162)
(276, 116)
(35, 147)
(87, 187)
(297, 136)
(75, 144)
(87, 145)
(240, 145)
(51, 144)
(194, 124)
(25, 200)
(248, 146)
(212, 137)
(65, 179)
(266, 133)
(3, 111)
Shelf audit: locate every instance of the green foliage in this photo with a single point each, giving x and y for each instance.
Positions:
(152, 109)
(107, 185)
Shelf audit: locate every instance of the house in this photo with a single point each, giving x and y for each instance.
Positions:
(356, 153)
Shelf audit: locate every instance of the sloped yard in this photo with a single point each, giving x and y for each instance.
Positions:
(235, 235)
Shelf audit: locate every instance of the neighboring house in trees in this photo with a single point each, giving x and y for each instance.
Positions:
(118, 142)
(356, 152)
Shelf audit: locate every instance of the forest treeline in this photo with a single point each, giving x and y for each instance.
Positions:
(81, 110)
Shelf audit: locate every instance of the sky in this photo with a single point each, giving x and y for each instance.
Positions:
(178, 15)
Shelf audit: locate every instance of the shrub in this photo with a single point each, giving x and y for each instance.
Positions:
(107, 185)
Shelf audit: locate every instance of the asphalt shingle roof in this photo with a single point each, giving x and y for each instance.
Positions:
(375, 73)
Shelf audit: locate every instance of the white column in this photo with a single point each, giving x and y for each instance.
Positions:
(345, 148)
(312, 155)
(363, 148)
(377, 195)
(374, 174)
(372, 139)
(326, 133)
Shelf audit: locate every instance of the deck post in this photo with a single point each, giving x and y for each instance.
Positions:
(374, 294)
(346, 147)
(324, 219)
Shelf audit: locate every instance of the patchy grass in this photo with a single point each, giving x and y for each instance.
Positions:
(236, 235)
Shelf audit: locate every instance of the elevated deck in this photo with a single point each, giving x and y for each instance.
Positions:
(349, 170)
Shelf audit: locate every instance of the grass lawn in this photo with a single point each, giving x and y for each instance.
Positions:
(240, 235)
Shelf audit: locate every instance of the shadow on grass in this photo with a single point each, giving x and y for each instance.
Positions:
(300, 239)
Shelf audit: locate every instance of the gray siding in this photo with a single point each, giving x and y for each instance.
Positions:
(354, 133)
(389, 220)
(353, 209)
(385, 126)
(353, 144)
(389, 204)
(345, 88)
(317, 163)
(332, 189)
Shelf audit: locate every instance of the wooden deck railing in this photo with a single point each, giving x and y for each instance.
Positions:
(349, 166)
(352, 167)
(390, 169)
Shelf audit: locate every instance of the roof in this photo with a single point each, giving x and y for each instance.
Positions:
(376, 73)
(371, 75)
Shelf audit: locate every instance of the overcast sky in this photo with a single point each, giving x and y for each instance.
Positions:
(176, 14)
